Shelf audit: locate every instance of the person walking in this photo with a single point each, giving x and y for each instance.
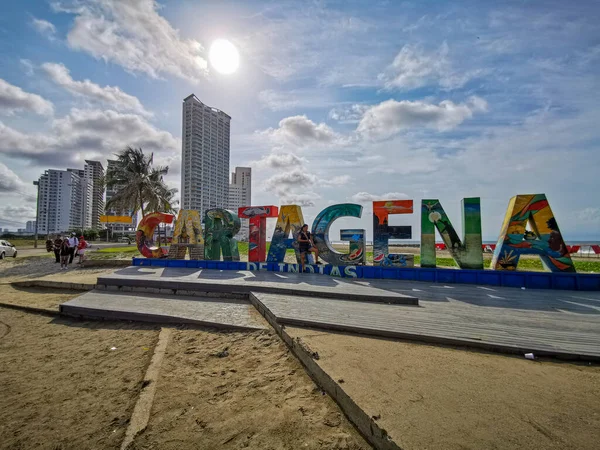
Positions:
(57, 244)
(306, 246)
(49, 245)
(81, 249)
(65, 251)
(73, 243)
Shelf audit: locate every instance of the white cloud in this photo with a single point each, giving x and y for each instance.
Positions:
(278, 101)
(44, 27)
(10, 183)
(285, 100)
(27, 66)
(19, 213)
(13, 99)
(365, 197)
(280, 160)
(112, 96)
(413, 67)
(298, 185)
(294, 187)
(390, 117)
(88, 133)
(300, 131)
(589, 215)
(350, 114)
(132, 34)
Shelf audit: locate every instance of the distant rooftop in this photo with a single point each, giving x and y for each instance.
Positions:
(193, 97)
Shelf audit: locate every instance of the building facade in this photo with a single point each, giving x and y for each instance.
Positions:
(86, 186)
(240, 194)
(94, 172)
(204, 156)
(117, 228)
(60, 202)
(70, 199)
(29, 226)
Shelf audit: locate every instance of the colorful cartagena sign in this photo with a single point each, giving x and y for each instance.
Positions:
(524, 213)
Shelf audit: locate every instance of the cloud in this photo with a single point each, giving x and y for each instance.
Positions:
(284, 100)
(312, 40)
(88, 133)
(27, 66)
(112, 96)
(349, 114)
(13, 99)
(278, 101)
(589, 215)
(413, 67)
(281, 160)
(301, 131)
(133, 35)
(390, 117)
(44, 27)
(294, 187)
(365, 197)
(10, 183)
(297, 186)
(20, 213)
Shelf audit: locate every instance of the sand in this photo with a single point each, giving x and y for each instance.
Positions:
(429, 397)
(62, 385)
(257, 396)
(64, 388)
(40, 298)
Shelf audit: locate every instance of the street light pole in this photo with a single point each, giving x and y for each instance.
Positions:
(37, 214)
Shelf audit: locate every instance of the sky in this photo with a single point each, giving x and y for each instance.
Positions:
(333, 102)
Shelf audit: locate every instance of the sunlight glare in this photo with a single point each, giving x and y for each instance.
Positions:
(224, 57)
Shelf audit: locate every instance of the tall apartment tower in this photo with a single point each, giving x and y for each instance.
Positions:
(86, 191)
(204, 157)
(60, 201)
(240, 194)
(95, 173)
(240, 188)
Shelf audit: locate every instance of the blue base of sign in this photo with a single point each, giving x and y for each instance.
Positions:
(529, 280)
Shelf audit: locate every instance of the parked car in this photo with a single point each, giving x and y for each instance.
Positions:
(7, 249)
(125, 239)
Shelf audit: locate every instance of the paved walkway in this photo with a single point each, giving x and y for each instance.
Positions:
(219, 313)
(245, 282)
(562, 323)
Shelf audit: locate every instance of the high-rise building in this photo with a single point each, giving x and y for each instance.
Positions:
(110, 193)
(86, 188)
(204, 157)
(240, 188)
(29, 226)
(60, 201)
(240, 194)
(95, 173)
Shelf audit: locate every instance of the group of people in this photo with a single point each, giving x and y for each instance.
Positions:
(66, 247)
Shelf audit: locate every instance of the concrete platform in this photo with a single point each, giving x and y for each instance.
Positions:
(211, 312)
(244, 282)
(564, 334)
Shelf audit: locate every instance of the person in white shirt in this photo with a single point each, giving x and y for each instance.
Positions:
(73, 243)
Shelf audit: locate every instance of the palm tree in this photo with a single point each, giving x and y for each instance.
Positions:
(138, 183)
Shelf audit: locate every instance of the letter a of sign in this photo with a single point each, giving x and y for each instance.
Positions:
(187, 235)
(290, 220)
(544, 239)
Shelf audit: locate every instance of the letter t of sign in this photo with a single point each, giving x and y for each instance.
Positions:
(257, 242)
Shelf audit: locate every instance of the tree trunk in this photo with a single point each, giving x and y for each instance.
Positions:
(142, 203)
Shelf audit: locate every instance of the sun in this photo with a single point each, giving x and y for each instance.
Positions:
(223, 56)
